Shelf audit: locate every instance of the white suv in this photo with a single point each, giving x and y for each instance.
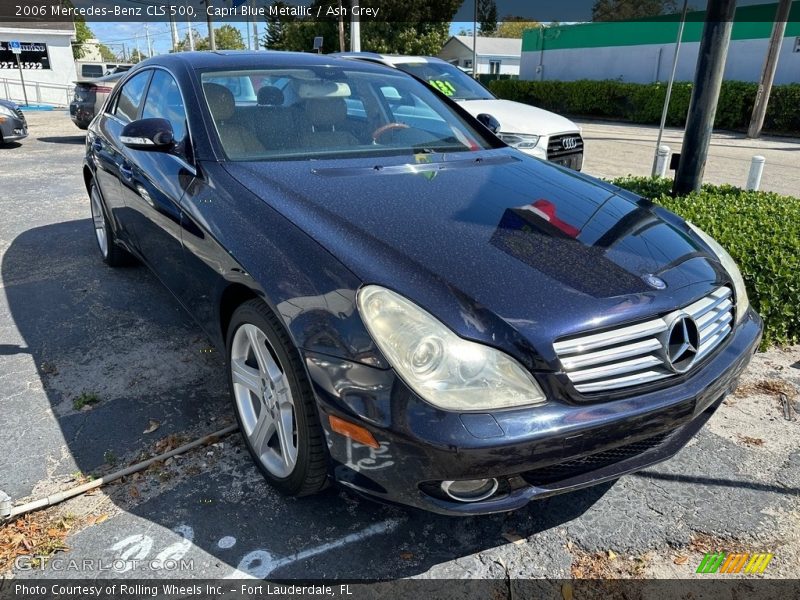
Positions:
(532, 130)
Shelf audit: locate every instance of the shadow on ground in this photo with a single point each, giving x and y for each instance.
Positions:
(64, 139)
(119, 337)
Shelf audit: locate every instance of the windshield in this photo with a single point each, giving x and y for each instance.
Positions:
(448, 79)
(330, 112)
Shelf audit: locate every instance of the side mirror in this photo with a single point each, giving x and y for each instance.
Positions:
(489, 122)
(148, 134)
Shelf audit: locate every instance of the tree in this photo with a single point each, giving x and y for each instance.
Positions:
(227, 37)
(487, 17)
(275, 36)
(137, 56)
(82, 34)
(184, 45)
(406, 27)
(513, 27)
(107, 53)
(624, 10)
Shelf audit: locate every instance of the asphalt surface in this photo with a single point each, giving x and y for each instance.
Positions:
(70, 326)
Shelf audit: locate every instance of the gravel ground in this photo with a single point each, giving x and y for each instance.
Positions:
(73, 332)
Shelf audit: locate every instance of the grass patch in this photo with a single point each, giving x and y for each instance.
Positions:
(85, 399)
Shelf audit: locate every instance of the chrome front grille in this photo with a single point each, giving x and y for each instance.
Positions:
(638, 354)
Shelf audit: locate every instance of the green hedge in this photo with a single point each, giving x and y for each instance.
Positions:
(643, 103)
(761, 230)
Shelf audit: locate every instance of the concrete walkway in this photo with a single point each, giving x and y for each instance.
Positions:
(615, 149)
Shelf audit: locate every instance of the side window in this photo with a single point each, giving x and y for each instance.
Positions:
(130, 97)
(164, 102)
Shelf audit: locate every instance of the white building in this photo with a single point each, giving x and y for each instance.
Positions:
(498, 56)
(48, 67)
(642, 51)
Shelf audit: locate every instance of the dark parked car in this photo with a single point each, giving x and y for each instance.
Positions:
(12, 123)
(410, 307)
(89, 97)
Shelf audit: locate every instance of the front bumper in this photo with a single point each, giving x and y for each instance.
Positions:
(534, 453)
(13, 129)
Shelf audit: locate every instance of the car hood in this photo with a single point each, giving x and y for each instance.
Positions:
(516, 117)
(495, 235)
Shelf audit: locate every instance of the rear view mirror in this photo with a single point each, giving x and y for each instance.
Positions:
(489, 122)
(148, 134)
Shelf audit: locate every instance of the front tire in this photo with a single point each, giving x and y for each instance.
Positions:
(113, 255)
(273, 402)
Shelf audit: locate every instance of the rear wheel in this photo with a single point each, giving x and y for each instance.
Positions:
(113, 255)
(273, 401)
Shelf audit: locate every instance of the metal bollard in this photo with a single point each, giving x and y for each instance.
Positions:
(5, 505)
(662, 160)
(756, 170)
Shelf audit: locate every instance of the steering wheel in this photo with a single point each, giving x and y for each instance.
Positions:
(385, 128)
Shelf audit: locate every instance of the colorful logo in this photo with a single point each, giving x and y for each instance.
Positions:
(734, 562)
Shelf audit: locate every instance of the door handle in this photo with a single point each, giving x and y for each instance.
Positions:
(126, 170)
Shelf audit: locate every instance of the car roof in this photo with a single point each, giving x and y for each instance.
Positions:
(248, 59)
(389, 59)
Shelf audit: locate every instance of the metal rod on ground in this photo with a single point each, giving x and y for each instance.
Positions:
(22, 80)
(81, 489)
(756, 170)
(769, 68)
(705, 94)
(668, 96)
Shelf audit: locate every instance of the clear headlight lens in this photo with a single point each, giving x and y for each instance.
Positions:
(742, 301)
(4, 110)
(444, 369)
(522, 141)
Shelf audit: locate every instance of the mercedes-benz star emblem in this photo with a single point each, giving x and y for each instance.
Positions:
(682, 343)
(654, 282)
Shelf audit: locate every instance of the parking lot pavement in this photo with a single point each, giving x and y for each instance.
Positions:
(92, 359)
(617, 149)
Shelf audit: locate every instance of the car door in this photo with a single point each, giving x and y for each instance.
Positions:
(107, 152)
(155, 182)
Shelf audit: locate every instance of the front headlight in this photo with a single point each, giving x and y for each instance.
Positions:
(521, 141)
(444, 369)
(742, 301)
(4, 110)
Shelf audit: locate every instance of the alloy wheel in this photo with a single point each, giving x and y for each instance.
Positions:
(99, 222)
(264, 401)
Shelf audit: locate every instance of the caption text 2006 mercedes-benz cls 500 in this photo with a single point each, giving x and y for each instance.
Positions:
(408, 306)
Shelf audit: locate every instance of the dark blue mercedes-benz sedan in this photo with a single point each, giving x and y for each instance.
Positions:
(408, 306)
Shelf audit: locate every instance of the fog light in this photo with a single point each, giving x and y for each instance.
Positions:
(470, 490)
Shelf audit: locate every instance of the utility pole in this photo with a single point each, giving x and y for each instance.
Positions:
(475, 42)
(191, 33)
(173, 27)
(355, 30)
(341, 28)
(768, 71)
(147, 37)
(256, 42)
(212, 42)
(705, 95)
